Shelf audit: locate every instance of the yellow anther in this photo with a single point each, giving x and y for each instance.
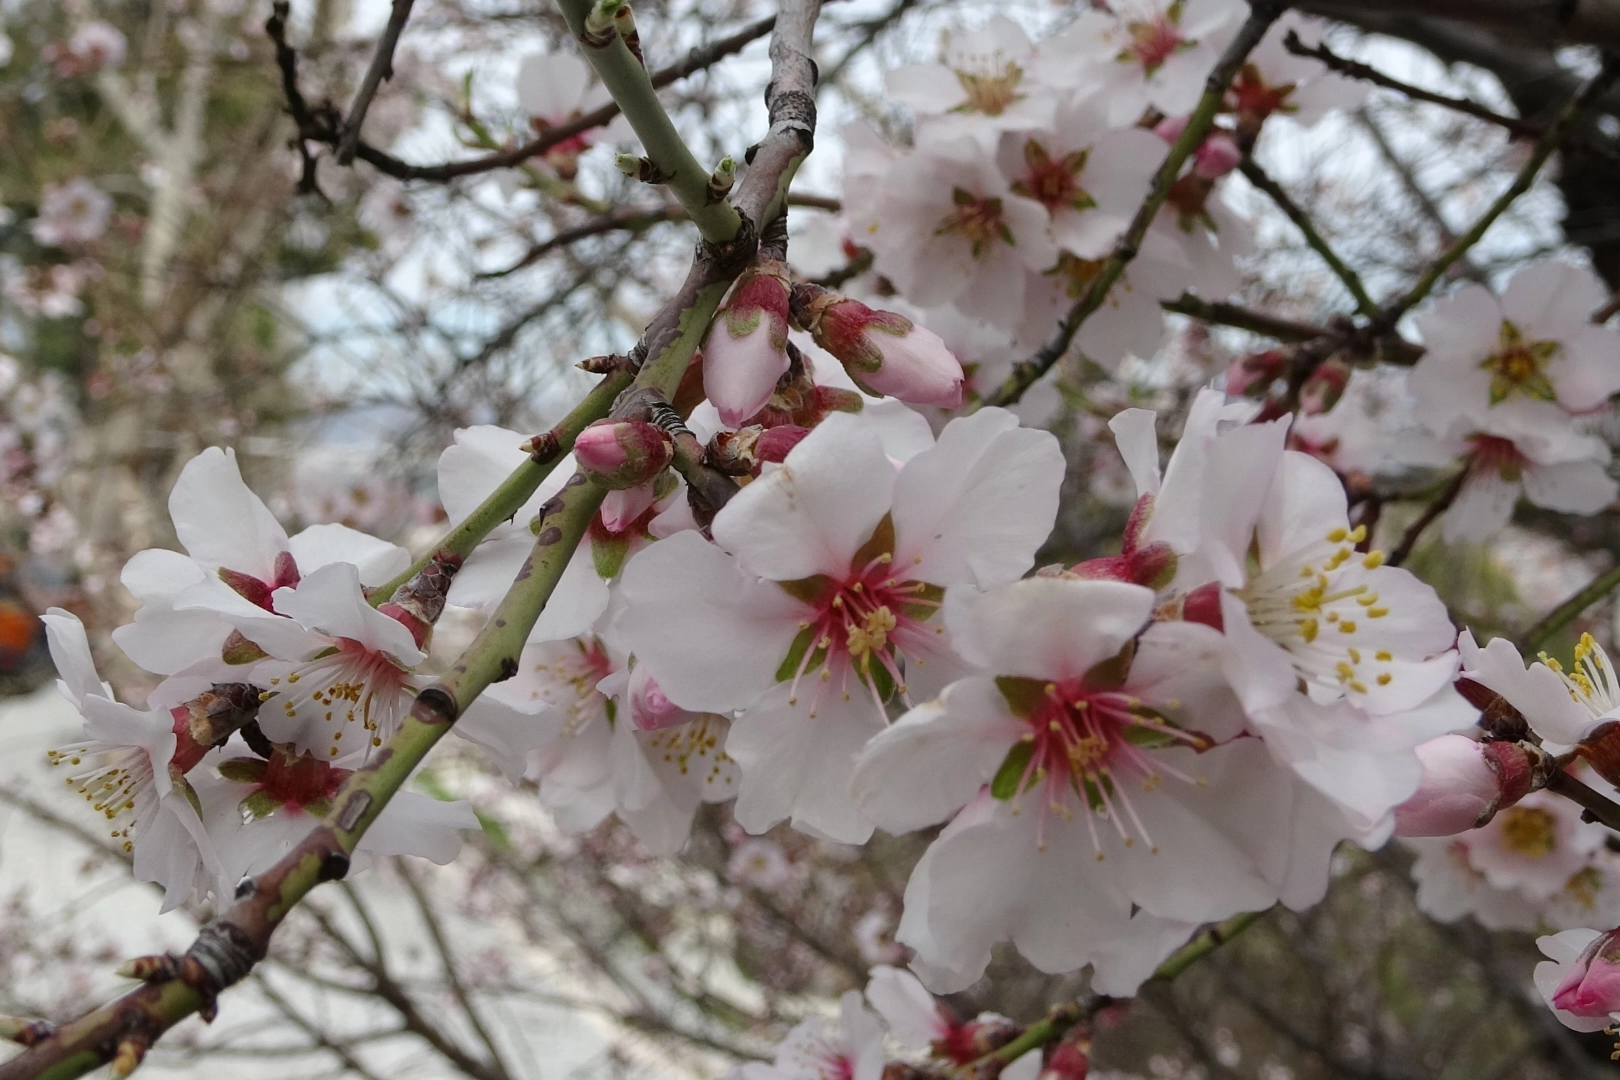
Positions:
(1348, 626)
(1385, 678)
(1337, 535)
(1373, 560)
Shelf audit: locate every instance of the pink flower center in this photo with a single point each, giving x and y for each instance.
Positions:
(1093, 744)
(1493, 454)
(349, 684)
(978, 219)
(1152, 41)
(865, 625)
(296, 782)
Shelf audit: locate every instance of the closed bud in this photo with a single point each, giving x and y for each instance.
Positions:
(1218, 156)
(621, 454)
(1067, 1061)
(1464, 784)
(745, 353)
(1256, 372)
(1324, 388)
(1591, 987)
(883, 352)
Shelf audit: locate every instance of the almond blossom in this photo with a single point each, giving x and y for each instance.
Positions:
(603, 739)
(1141, 53)
(951, 229)
(978, 88)
(126, 768)
(817, 602)
(816, 1051)
(258, 809)
(1115, 766)
(1513, 381)
(71, 213)
(237, 554)
(340, 679)
(1563, 707)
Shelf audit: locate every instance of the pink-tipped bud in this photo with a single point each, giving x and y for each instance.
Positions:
(1066, 1062)
(621, 454)
(1256, 372)
(621, 509)
(1170, 128)
(774, 443)
(1592, 986)
(1464, 784)
(883, 352)
(1203, 605)
(1218, 156)
(1324, 388)
(746, 350)
(650, 709)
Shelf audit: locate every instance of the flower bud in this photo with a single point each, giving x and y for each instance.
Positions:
(1591, 988)
(621, 454)
(746, 350)
(1203, 605)
(1218, 156)
(883, 352)
(1255, 372)
(1066, 1062)
(650, 709)
(1464, 784)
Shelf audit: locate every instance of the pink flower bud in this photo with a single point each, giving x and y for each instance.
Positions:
(621, 508)
(1203, 605)
(774, 443)
(883, 352)
(1464, 784)
(1170, 128)
(1218, 156)
(1257, 371)
(1066, 1062)
(746, 350)
(1592, 987)
(650, 709)
(621, 454)
(1324, 388)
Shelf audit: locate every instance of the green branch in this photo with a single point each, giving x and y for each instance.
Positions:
(1351, 280)
(1262, 14)
(1550, 141)
(625, 77)
(1567, 612)
(514, 491)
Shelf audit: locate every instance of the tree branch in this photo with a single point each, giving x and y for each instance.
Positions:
(1352, 281)
(1554, 137)
(1024, 373)
(382, 67)
(1567, 612)
(1355, 69)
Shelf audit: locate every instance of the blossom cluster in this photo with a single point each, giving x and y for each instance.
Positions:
(1029, 160)
(863, 635)
(1511, 394)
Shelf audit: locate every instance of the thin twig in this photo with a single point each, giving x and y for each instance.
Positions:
(633, 219)
(1440, 505)
(323, 129)
(1597, 806)
(1554, 137)
(1355, 69)
(1352, 281)
(1024, 373)
(382, 67)
(1567, 612)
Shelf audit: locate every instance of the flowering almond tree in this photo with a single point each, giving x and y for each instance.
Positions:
(800, 560)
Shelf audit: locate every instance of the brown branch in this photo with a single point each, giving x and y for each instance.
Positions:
(382, 67)
(1355, 69)
(632, 219)
(322, 126)
(1440, 505)
(1595, 806)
